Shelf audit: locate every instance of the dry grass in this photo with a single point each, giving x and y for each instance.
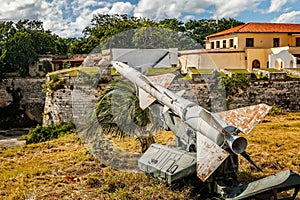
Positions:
(61, 169)
(274, 145)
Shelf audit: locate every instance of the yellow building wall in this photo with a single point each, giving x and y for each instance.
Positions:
(229, 60)
(220, 39)
(257, 54)
(292, 39)
(195, 58)
(262, 48)
(212, 60)
(294, 50)
(263, 40)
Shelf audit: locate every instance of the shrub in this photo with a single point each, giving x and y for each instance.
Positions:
(54, 84)
(276, 111)
(234, 83)
(42, 134)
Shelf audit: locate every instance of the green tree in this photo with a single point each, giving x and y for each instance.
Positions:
(199, 29)
(7, 30)
(172, 24)
(113, 31)
(157, 37)
(23, 41)
(19, 53)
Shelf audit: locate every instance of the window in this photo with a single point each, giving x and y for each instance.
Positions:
(212, 45)
(224, 43)
(256, 64)
(231, 43)
(218, 44)
(275, 42)
(249, 42)
(40, 68)
(298, 42)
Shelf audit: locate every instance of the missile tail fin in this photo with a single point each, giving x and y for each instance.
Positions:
(209, 157)
(180, 93)
(164, 79)
(145, 98)
(245, 119)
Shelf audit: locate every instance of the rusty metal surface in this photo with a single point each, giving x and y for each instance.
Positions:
(164, 79)
(209, 157)
(245, 118)
(145, 98)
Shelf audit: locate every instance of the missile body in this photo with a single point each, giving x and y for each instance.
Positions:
(217, 141)
(198, 118)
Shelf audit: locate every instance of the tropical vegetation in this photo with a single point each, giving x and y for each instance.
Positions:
(22, 42)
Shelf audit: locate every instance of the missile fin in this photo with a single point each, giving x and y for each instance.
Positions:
(209, 157)
(145, 99)
(166, 109)
(180, 93)
(164, 80)
(245, 119)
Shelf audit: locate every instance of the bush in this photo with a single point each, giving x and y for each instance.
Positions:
(54, 84)
(234, 83)
(42, 134)
(276, 111)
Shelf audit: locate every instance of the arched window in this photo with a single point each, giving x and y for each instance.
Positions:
(278, 63)
(256, 64)
(291, 64)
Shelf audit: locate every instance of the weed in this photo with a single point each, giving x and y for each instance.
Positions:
(42, 134)
(276, 111)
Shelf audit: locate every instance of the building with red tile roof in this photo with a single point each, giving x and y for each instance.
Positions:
(261, 28)
(252, 45)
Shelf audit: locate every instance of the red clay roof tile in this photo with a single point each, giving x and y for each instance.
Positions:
(260, 28)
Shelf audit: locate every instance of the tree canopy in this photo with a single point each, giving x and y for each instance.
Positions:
(123, 31)
(22, 42)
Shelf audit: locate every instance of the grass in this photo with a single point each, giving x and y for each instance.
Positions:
(293, 76)
(295, 69)
(274, 145)
(186, 77)
(200, 71)
(164, 70)
(72, 71)
(238, 71)
(271, 70)
(62, 168)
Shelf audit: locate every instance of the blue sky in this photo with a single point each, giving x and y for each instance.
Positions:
(68, 18)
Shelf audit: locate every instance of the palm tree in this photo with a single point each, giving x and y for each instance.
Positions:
(119, 114)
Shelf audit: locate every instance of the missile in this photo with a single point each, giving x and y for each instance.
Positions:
(215, 132)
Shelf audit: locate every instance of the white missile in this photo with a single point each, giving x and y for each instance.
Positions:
(213, 133)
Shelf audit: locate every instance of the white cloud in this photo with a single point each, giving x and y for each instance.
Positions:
(68, 18)
(233, 8)
(15, 10)
(290, 17)
(121, 8)
(276, 5)
(157, 9)
(63, 17)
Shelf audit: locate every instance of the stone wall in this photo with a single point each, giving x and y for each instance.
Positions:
(75, 104)
(283, 94)
(70, 104)
(31, 102)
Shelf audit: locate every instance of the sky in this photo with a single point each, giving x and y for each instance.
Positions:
(68, 18)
